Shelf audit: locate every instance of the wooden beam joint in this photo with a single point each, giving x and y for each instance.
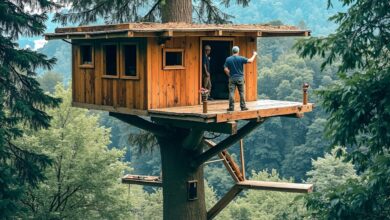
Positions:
(229, 141)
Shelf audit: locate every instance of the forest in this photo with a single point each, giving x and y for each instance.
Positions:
(63, 162)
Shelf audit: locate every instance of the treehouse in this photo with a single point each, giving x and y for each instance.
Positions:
(156, 69)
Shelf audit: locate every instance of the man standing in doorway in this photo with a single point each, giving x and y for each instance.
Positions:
(206, 80)
(234, 67)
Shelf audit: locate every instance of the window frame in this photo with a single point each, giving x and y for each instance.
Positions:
(118, 70)
(92, 64)
(173, 67)
(122, 60)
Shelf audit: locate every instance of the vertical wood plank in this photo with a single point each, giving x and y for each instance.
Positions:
(98, 74)
(74, 73)
(149, 79)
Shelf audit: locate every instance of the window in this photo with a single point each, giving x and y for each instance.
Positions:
(86, 56)
(110, 64)
(129, 60)
(173, 59)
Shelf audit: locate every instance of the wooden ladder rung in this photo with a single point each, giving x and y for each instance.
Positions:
(142, 180)
(276, 186)
(229, 163)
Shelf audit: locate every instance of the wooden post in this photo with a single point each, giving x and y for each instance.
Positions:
(204, 106)
(305, 87)
(242, 158)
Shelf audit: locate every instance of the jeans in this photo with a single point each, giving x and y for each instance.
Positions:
(240, 83)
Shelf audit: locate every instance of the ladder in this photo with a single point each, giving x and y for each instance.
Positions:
(229, 163)
(242, 183)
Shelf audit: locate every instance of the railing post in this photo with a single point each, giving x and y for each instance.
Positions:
(305, 87)
(204, 106)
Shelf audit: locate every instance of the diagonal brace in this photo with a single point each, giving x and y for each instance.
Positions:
(141, 123)
(232, 139)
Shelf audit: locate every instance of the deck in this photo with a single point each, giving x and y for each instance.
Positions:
(217, 111)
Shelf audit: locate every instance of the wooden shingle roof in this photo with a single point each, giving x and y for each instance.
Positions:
(174, 29)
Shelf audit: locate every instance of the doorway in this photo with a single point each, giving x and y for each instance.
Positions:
(220, 50)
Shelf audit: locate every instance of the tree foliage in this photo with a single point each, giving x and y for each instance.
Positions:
(83, 181)
(359, 107)
(22, 101)
(121, 11)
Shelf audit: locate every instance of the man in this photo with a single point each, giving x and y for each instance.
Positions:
(234, 66)
(206, 81)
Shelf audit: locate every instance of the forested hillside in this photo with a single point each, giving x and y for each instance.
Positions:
(282, 145)
(61, 162)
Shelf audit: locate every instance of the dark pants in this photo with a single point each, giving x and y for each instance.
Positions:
(206, 82)
(240, 83)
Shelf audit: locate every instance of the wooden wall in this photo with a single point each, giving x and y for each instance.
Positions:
(91, 87)
(247, 46)
(168, 88)
(156, 87)
(179, 87)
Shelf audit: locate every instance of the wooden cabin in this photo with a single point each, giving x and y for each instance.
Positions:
(143, 68)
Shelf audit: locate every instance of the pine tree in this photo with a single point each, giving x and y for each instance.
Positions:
(22, 102)
(121, 11)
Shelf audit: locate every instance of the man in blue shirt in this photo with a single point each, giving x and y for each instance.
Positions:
(234, 66)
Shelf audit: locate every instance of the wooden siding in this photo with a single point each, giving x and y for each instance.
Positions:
(247, 46)
(91, 87)
(156, 87)
(174, 87)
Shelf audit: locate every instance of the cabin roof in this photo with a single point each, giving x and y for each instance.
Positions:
(174, 29)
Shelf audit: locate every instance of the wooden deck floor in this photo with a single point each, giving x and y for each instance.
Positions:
(217, 111)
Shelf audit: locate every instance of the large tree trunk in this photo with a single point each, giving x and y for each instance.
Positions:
(176, 11)
(176, 172)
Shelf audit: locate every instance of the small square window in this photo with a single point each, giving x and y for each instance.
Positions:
(86, 56)
(130, 60)
(110, 54)
(173, 59)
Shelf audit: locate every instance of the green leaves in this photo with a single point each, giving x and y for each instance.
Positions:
(359, 108)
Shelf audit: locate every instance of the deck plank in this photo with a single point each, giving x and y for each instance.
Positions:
(217, 111)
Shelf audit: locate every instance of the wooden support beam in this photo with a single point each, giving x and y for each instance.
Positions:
(142, 180)
(242, 158)
(276, 186)
(296, 115)
(242, 132)
(222, 203)
(229, 127)
(143, 124)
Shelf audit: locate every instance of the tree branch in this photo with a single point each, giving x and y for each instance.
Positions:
(150, 12)
(242, 132)
(141, 123)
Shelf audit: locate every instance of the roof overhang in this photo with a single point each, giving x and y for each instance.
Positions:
(173, 30)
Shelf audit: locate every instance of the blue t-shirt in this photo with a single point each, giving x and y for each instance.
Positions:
(236, 65)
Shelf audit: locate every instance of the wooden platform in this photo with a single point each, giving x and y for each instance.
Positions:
(217, 111)
(142, 180)
(276, 186)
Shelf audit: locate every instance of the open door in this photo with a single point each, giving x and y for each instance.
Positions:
(220, 50)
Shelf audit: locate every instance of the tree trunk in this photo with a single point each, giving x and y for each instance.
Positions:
(176, 172)
(176, 11)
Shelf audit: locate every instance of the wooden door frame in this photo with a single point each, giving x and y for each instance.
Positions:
(231, 39)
